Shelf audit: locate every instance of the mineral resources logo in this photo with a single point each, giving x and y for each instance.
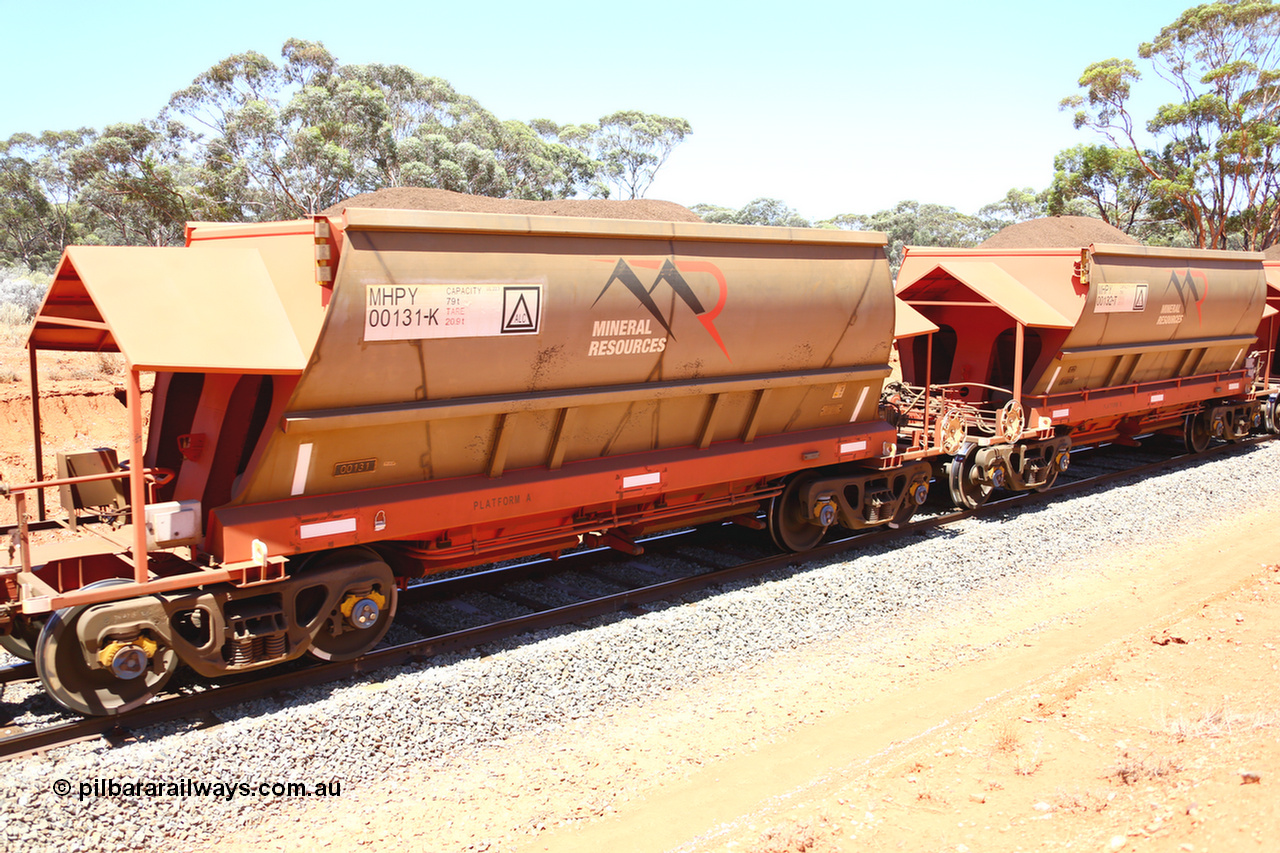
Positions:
(629, 337)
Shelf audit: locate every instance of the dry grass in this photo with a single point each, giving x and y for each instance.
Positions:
(13, 324)
(110, 364)
(1131, 771)
(1218, 721)
(91, 366)
(13, 331)
(1007, 739)
(796, 837)
(1079, 801)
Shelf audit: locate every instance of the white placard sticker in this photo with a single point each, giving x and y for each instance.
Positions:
(1117, 297)
(635, 481)
(327, 528)
(410, 312)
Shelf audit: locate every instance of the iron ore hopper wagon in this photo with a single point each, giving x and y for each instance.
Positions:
(1039, 350)
(345, 403)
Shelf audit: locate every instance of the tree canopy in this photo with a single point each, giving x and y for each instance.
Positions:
(908, 223)
(1211, 164)
(252, 139)
(912, 223)
(256, 139)
(761, 211)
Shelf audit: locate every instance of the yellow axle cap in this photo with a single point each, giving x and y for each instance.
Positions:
(110, 650)
(349, 603)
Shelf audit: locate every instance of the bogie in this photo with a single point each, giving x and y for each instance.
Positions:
(101, 672)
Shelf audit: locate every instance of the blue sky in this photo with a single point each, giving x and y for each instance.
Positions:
(831, 107)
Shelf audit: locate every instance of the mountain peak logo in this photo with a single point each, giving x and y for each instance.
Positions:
(1186, 281)
(674, 277)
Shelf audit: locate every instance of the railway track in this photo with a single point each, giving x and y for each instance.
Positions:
(446, 615)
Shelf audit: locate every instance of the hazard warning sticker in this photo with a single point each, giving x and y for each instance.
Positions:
(403, 312)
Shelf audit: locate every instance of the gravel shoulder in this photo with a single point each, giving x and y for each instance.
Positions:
(1059, 708)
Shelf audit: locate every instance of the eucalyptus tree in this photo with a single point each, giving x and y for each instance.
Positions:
(760, 211)
(295, 138)
(1212, 160)
(139, 183)
(1110, 181)
(1111, 184)
(629, 145)
(40, 210)
(24, 207)
(253, 139)
(634, 145)
(912, 223)
(282, 141)
(1017, 205)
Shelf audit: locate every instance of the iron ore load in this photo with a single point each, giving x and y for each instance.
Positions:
(345, 403)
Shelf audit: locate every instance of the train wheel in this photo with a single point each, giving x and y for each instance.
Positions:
(1196, 433)
(789, 524)
(138, 668)
(361, 618)
(22, 642)
(967, 492)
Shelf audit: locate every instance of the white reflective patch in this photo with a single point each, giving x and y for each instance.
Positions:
(862, 398)
(1157, 398)
(636, 480)
(1053, 379)
(300, 469)
(327, 528)
(852, 446)
(1061, 413)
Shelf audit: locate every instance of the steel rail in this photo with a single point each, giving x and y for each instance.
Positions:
(17, 672)
(244, 688)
